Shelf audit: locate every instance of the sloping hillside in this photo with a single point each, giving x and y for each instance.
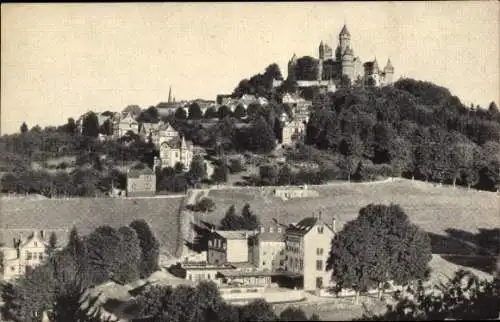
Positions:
(433, 208)
(89, 213)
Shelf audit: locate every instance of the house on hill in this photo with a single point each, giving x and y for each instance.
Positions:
(141, 182)
(157, 133)
(175, 150)
(307, 245)
(25, 252)
(123, 124)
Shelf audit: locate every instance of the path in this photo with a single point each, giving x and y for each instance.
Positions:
(187, 217)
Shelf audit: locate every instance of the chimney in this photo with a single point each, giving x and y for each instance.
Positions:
(319, 215)
(41, 234)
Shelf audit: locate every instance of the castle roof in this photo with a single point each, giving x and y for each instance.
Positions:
(389, 64)
(344, 31)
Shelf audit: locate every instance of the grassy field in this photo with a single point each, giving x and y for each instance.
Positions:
(435, 209)
(89, 213)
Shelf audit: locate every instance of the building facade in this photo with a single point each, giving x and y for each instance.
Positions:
(174, 150)
(267, 248)
(228, 246)
(141, 182)
(124, 123)
(307, 246)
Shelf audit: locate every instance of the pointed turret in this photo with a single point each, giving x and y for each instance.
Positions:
(321, 50)
(388, 66)
(345, 32)
(170, 95)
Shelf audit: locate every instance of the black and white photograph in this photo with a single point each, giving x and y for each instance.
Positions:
(250, 161)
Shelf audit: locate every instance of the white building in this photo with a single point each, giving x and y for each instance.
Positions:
(228, 246)
(175, 150)
(268, 248)
(307, 245)
(24, 253)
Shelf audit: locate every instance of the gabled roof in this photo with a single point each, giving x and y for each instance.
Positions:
(177, 142)
(136, 173)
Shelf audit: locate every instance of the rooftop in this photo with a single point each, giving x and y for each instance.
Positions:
(136, 173)
(234, 234)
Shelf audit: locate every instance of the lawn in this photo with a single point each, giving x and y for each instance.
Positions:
(89, 213)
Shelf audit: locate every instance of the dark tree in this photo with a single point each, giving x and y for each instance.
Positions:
(11, 309)
(261, 136)
(293, 314)
(179, 167)
(180, 114)
(197, 169)
(52, 245)
(24, 128)
(249, 219)
(90, 125)
(463, 297)
(239, 112)
(221, 173)
(231, 220)
(210, 113)
(285, 176)
(194, 112)
(378, 246)
(256, 311)
(149, 247)
(71, 126)
(223, 112)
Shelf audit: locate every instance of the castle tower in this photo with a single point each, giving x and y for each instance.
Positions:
(348, 63)
(344, 39)
(389, 72)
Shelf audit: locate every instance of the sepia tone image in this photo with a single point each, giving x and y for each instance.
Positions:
(264, 161)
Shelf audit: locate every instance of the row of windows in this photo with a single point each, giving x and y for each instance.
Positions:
(293, 249)
(34, 255)
(219, 243)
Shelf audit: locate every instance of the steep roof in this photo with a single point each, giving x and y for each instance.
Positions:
(389, 64)
(176, 143)
(303, 226)
(344, 31)
(136, 173)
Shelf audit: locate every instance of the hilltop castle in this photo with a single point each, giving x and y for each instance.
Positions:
(332, 68)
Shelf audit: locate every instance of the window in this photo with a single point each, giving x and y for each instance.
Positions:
(209, 243)
(28, 255)
(190, 277)
(40, 256)
(319, 265)
(208, 276)
(319, 282)
(36, 244)
(319, 251)
(320, 229)
(264, 263)
(301, 264)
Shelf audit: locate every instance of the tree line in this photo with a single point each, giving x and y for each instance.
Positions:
(122, 255)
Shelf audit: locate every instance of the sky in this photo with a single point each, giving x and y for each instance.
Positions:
(62, 60)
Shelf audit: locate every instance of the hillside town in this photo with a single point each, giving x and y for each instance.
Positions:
(131, 215)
